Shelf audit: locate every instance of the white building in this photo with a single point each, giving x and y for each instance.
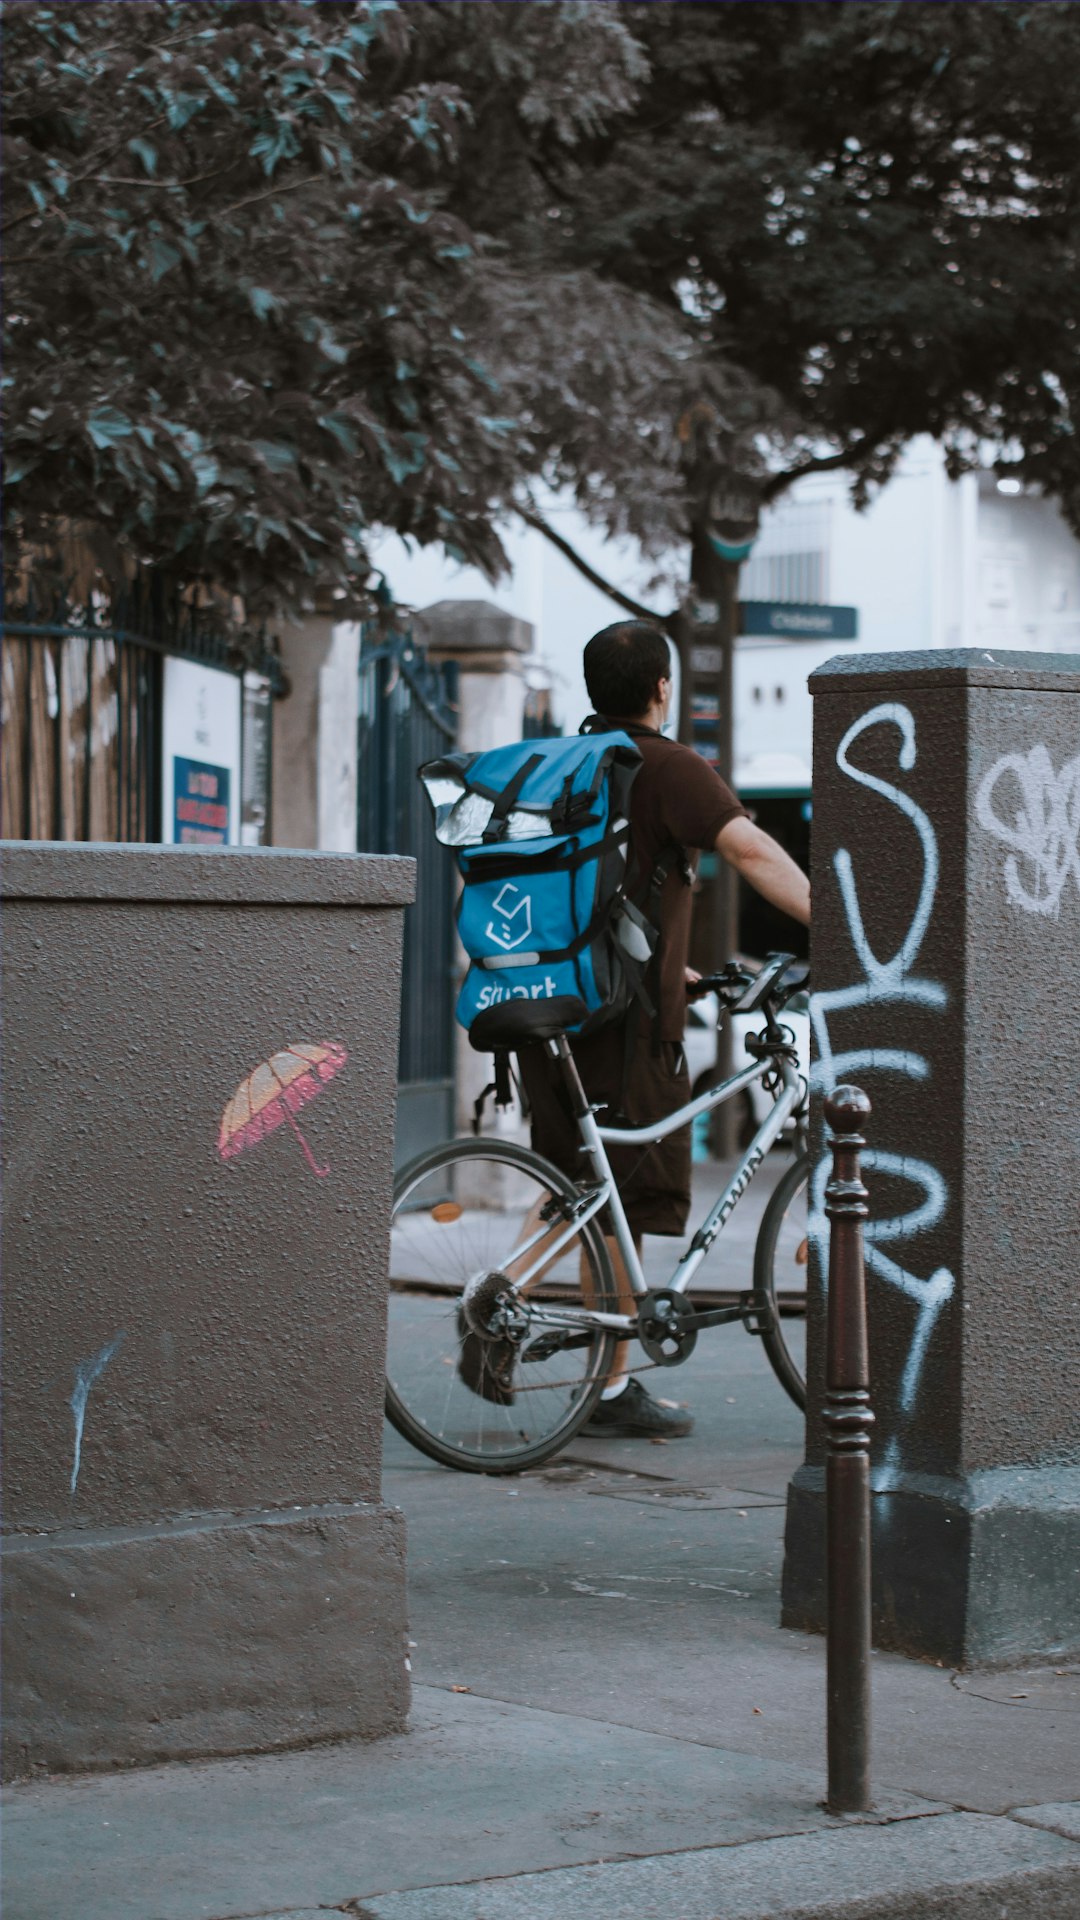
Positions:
(930, 563)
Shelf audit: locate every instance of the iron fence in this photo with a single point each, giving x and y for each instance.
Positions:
(408, 715)
(81, 704)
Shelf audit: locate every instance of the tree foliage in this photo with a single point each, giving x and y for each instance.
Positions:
(279, 273)
(234, 283)
(860, 221)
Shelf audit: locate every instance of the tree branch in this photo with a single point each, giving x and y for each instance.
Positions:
(533, 519)
(220, 213)
(163, 186)
(817, 463)
(78, 179)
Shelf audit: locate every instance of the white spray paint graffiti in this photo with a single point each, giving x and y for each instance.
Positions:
(86, 1372)
(889, 982)
(1043, 832)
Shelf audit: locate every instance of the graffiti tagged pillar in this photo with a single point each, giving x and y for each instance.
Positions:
(946, 977)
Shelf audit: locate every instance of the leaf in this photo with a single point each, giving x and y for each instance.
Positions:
(270, 147)
(108, 425)
(163, 257)
(275, 454)
(263, 302)
(205, 469)
(182, 107)
(145, 151)
(342, 432)
(403, 460)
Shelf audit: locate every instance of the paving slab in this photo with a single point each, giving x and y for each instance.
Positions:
(640, 1584)
(1064, 1818)
(966, 1866)
(477, 1788)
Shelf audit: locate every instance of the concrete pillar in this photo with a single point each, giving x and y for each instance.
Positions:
(197, 1559)
(490, 648)
(946, 977)
(315, 736)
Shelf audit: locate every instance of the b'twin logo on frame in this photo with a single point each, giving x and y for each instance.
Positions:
(490, 996)
(511, 918)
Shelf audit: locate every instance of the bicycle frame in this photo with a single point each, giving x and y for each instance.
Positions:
(595, 1138)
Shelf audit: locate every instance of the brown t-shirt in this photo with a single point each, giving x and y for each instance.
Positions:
(677, 797)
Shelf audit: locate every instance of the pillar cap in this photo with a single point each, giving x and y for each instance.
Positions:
(107, 871)
(461, 627)
(952, 667)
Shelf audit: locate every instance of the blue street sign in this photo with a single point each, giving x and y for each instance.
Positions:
(784, 620)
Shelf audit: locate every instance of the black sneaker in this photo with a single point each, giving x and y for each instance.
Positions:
(485, 1366)
(634, 1414)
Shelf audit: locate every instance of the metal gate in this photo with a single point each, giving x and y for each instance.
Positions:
(81, 706)
(408, 714)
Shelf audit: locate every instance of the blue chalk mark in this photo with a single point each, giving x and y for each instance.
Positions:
(86, 1372)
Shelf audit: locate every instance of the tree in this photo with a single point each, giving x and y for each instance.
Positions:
(234, 283)
(817, 232)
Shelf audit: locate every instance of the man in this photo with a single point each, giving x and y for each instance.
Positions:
(677, 801)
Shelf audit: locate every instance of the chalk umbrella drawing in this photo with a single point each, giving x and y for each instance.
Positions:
(274, 1094)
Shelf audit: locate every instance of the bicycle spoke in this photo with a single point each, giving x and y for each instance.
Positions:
(456, 1385)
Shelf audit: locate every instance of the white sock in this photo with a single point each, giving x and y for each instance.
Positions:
(615, 1387)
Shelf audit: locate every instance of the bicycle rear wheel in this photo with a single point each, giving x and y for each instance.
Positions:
(479, 1378)
(780, 1265)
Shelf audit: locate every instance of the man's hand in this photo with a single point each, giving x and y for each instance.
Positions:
(769, 870)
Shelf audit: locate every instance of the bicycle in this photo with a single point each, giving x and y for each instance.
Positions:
(503, 1318)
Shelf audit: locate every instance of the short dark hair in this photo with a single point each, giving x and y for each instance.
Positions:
(622, 666)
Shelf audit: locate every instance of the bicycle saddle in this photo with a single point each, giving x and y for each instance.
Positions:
(518, 1023)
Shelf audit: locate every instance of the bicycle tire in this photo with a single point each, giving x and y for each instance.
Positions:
(776, 1230)
(469, 1402)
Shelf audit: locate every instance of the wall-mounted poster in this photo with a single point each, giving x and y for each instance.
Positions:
(200, 755)
(200, 804)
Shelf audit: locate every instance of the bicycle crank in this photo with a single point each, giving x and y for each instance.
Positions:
(667, 1326)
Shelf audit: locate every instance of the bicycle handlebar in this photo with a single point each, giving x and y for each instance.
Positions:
(743, 991)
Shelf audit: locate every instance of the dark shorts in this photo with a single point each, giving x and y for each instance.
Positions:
(654, 1181)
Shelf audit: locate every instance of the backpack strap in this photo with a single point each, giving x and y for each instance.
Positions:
(502, 803)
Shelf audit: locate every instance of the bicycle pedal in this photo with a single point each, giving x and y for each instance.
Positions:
(756, 1313)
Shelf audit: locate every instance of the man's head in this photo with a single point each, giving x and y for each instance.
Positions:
(628, 670)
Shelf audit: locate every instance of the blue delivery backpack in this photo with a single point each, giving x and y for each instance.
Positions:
(540, 830)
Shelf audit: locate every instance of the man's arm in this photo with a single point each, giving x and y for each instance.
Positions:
(769, 870)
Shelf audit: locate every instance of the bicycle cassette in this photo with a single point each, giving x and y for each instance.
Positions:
(665, 1326)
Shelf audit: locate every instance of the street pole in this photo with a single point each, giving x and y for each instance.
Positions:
(848, 1420)
(725, 895)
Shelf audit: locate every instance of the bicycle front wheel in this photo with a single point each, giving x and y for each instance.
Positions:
(780, 1264)
(478, 1377)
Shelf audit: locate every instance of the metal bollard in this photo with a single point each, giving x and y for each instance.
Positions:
(848, 1420)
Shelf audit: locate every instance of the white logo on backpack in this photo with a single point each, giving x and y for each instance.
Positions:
(540, 990)
(514, 918)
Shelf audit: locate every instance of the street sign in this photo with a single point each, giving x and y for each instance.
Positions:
(785, 620)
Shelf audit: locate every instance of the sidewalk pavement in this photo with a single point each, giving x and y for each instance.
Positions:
(608, 1722)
